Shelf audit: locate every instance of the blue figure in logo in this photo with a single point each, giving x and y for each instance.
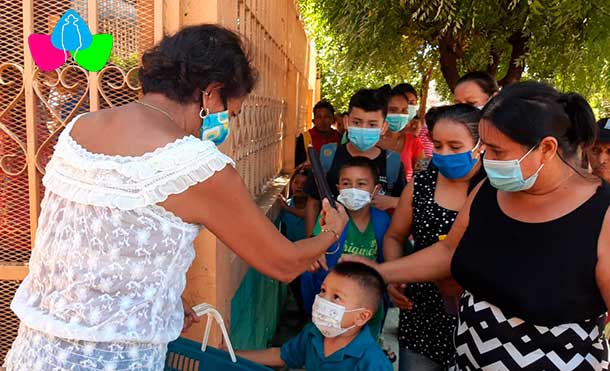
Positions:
(71, 33)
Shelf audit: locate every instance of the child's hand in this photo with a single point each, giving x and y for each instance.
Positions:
(414, 126)
(396, 293)
(283, 202)
(383, 202)
(319, 263)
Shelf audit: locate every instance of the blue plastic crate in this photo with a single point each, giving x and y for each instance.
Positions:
(186, 355)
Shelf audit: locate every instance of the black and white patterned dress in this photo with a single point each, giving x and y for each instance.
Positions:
(532, 301)
(427, 329)
(488, 339)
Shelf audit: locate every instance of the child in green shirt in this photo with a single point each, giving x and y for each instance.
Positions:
(363, 235)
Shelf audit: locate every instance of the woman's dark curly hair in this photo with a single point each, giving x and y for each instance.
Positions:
(193, 58)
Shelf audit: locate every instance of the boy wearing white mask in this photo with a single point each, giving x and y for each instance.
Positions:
(363, 234)
(338, 339)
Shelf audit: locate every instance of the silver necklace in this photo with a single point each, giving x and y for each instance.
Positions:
(158, 110)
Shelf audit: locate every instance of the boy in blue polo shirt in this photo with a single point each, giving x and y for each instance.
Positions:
(339, 338)
(363, 235)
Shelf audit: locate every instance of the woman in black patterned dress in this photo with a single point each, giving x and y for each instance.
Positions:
(531, 246)
(427, 209)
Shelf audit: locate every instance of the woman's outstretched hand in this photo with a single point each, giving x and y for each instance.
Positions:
(333, 219)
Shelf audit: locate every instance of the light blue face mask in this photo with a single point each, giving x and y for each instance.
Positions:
(398, 121)
(215, 127)
(507, 175)
(364, 138)
(412, 111)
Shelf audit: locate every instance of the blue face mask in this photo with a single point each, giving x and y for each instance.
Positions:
(398, 121)
(456, 165)
(507, 176)
(364, 138)
(215, 127)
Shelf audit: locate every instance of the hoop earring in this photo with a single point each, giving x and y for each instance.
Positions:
(204, 112)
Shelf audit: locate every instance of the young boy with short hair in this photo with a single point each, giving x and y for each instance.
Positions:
(363, 234)
(339, 338)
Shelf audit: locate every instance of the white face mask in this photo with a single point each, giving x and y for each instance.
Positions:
(327, 317)
(484, 104)
(354, 199)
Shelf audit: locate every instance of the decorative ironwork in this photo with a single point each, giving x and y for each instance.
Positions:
(118, 87)
(61, 96)
(8, 320)
(12, 87)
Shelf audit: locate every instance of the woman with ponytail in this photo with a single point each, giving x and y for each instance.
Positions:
(531, 246)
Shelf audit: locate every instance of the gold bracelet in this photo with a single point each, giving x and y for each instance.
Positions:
(323, 230)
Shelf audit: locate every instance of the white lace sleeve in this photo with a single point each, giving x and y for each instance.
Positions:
(128, 183)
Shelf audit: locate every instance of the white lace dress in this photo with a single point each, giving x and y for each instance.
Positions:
(109, 265)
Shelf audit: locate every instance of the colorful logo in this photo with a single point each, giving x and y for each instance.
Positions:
(71, 36)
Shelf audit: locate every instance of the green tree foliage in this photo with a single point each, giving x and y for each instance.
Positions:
(341, 74)
(364, 42)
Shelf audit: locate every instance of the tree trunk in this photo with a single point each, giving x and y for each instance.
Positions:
(492, 67)
(425, 86)
(518, 42)
(448, 60)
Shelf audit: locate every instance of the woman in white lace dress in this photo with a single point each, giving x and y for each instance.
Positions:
(127, 191)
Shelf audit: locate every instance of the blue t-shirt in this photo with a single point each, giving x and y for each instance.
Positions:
(294, 226)
(306, 350)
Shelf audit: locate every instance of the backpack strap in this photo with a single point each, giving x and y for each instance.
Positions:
(327, 156)
(307, 142)
(392, 164)
(381, 223)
